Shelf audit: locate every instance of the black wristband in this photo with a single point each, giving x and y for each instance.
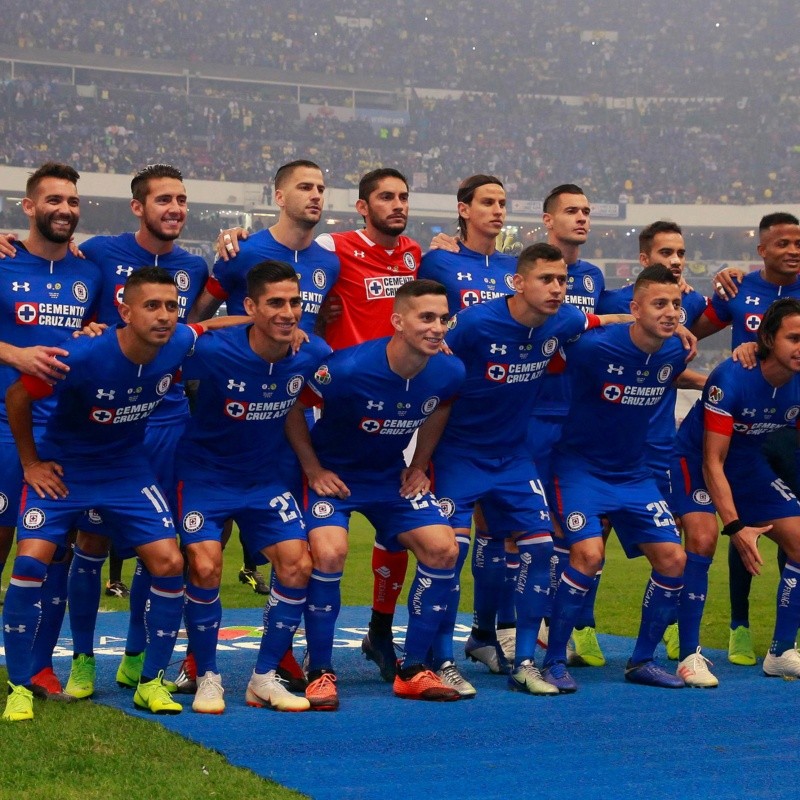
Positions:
(732, 527)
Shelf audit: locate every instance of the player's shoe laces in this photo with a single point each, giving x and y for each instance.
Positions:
(254, 579)
(695, 672)
(786, 666)
(291, 673)
(116, 589)
(527, 678)
(46, 686)
(268, 691)
(672, 642)
(382, 650)
(19, 705)
(153, 696)
(186, 682)
(130, 670)
(488, 653)
(81, 677)
(423, 685)
(740, 647)
(321, 691)
(507, 639)
(650, 673)
(209, 697)
(587, 648)
(450, 676)
(556, 674)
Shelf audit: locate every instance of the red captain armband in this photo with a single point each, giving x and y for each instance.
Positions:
(715, 422)
(36, 387)
(711, 315)
(309, 398)
(197, 328)
(214, 288)
(557, 364)
(592, 321)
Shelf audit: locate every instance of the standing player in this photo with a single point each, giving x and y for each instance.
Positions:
(375, 396)
(45, 294)
(720, 456)
(618, 376)
(93, 439)
(779, 248)
(249, 379)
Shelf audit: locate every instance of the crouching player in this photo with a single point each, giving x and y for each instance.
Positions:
(235, 462)
(91, 455)
(374, 397)
(722, 469)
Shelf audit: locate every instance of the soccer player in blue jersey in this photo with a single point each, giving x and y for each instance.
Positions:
(724, 471)
(374, 397)
(235, 462)
(91, 455)
(618, 376)
(742, 307)
(506, 345)
(45, 294)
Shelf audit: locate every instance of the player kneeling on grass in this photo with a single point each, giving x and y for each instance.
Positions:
(719, 454)
(373, 397)
(235, 462)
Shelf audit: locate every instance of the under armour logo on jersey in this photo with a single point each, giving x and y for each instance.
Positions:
(464, 276)
(359, 254)
(105, 394)
(375, 404)
(750, 300)
(748, 412)
(126, 271)
(498, 348)
(613, 369)
(167, 522)
(232, 384)
(20, 287)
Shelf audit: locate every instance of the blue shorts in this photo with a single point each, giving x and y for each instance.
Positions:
(11, 475)
(509, 490)
(634, 506)
(543, 435)
(132, 504)
(265, 513)
(160, 443)
(758, 493)
(380, 502)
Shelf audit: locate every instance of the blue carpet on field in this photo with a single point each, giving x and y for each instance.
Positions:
(611, 739)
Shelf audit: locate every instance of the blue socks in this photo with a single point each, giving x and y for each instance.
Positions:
(658, 608)
(506, 613)
(162, 619)
(787, 618)
(428, 597)
(54, 606)
(83, 590)
(567, 603)
(532, 595)
(692, 602)
(21, 614)
(489, 572)
(442, 645)
(323, 601)
(203, 613)
(586, 618)
(282, 615)
(140, 591)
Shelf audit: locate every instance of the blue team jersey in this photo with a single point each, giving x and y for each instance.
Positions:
(102, 405)
(317, 269)
(470, 277)
(615, 388)
(739, 403)
(585, 284)
(236, 432)
(745, 311)
(370, 413)
(41, 303)
(661, 434)
(117, 257)
(505, 363)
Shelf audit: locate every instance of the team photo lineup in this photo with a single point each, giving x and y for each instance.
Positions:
(466, 401)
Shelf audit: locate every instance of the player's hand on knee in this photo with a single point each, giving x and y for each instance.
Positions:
(746, 542)
(44, 477)
(726, 282)
(328, 484)
(227, 244)
(745, 354)
(413, 481)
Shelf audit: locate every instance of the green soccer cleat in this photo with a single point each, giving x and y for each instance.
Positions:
(672, 642)
(153, 696)
(130, 670)
(19, 705)
(587, 648)
(81, 677)
(740, 647)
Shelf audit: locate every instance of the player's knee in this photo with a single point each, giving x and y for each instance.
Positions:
(587, 556)
(441, 555)
(295, 572)
(670, 561)
(205, 572)
(166, 565)
(94, 546)
(329, 557)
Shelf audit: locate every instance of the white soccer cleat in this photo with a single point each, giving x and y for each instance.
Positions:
(450, 675)
(268, 691)
(695, 672)
(507, 639)
(786, 666)
(208, 698)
